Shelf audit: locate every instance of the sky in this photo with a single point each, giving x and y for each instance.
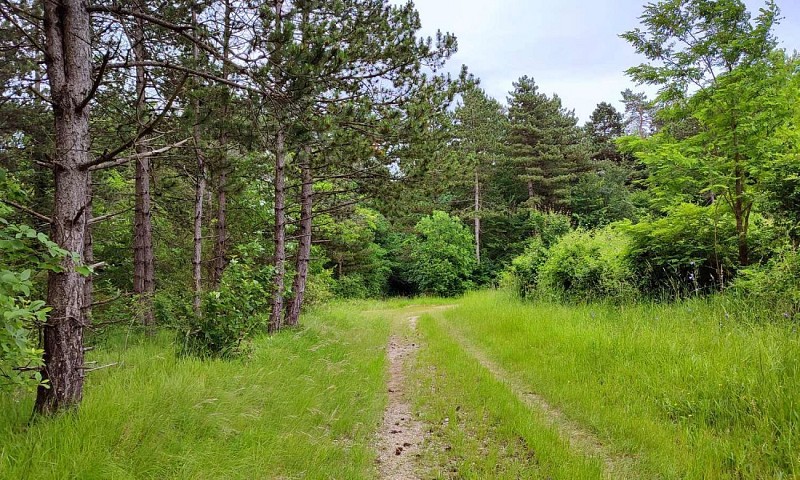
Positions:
(570, 47)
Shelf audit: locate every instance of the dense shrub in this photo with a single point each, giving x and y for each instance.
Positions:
(775, 284)
(320, 283)
(441, 256)
(603, 196)
(232, 314)
(546, 229)
(589, 265)
(693, 248)
(356, 255)
(525, 268)
(549, 227)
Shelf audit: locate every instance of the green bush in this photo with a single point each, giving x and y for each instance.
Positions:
(24, 254)
(589, 265)
(351, 286)
(694, 248)
(549, 227)
(775, 284)
(525, 268)
(442, 256)
(232, 314)
(368, 280)
(319, 287)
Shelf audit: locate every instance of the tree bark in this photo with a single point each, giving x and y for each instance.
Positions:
(741, 212)
(304, 247)
(68, 58)
(531, 191)
(275, 320)
(143, 256)
(197, 256)
(477, 217)
(200, 192)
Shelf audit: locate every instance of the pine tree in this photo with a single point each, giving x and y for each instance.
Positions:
(545, 143)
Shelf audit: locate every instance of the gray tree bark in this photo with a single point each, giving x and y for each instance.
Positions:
(143, 255)
(304, 247)
(200, 191)
(68, 58)
(275, 320)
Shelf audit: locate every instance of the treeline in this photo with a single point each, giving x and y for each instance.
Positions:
(211, 168)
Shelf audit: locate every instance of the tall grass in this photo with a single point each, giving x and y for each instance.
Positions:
(687, 388)
(478, 428)
(305, 405)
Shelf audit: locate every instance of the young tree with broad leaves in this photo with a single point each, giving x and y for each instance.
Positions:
(718, 68)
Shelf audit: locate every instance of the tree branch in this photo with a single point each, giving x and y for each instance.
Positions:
(109, 156)
(103, 218)
(97, 81)
(123, 160)
(27, 210)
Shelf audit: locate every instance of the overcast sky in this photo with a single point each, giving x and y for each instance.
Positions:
(570, 47)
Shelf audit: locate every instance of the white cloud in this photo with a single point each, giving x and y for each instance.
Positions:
(571, 47)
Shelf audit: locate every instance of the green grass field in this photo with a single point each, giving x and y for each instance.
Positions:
(684, 389)
(304, 406)
(689, 390)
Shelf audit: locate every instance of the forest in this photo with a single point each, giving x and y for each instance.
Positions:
(277, 239)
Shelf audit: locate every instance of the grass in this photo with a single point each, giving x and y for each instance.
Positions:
(305, 405)
(688, 391)
(479, 428)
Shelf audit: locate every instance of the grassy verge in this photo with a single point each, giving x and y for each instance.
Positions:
(305, 405)
(478, 428)
(688, 391)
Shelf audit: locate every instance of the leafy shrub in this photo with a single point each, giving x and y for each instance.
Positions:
(775, 284)
(693, 248)
(589, 265)
(232, 314)
(367, 280)
(356, 253)
(549, 227)
(525, 268)
(441, 256)
(171, 307)
(24, 253)
(320, 282)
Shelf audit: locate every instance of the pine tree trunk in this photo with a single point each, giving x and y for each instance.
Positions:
(197, 256)
(280, 231)
(531, 190)
(144, 271)
(200, 192)
(67, 31)
(143, 256)
(477, 217)
(304, 247)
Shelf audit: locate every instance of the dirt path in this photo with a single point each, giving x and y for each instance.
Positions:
(579, 438)
(401, 435)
